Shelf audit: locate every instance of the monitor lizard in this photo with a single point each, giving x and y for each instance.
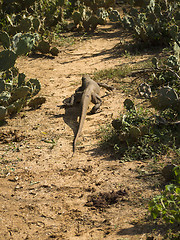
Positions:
(86, 93)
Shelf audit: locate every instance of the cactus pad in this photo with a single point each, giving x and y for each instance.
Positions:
(2, 86)
(4, 39)
(54, 51)
(34, 86)
(4, 98)
(20, 92)
(43, 47)
(114, 16)
(7, 59)
(36, 102)
(3, 111)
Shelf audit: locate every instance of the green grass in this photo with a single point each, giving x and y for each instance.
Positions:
(113, 73)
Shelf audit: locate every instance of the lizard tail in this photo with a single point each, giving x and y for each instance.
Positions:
(84, 108)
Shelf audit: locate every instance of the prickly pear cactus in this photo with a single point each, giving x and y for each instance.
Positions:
(155, 62)
(172, 62)
(134, 133)
(60, 3)
(3, 111)
(5, 39)
(77, 17)
(152, 23)
(25, 25)
(11, 109)
(21, 79)
(36, 102)
(2, 85)
(177, 51)
(36, 24)
(43, 47)
(93, 22)
(166, 98)
(15, 107)
(129, 105)
(4, 98)
(20, 92)
(34, 86)
(117, 124)
(7, 59)
(54, 51)
(144, 90)
(24, 43)
(102, 16)
(114, 16)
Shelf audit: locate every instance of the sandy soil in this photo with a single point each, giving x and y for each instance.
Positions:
(47, 194)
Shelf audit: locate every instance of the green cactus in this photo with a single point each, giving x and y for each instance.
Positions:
(36, 102)
(4, 98)
(151, 24)
(117, 124)
(172, 62)
(21, 79)
(24, 43)
(5, 39)
(34, 86)
(3, 112)
(9, 86)
(25, 25)
(43, 47)
(54, 51)
(155, 62)
(144, 90)
(77, 17)
(7, 59)
(166, 98)
(86, 25)
(173, 30)
(114, 16)
(36, 24)
(15, 107)
(129, 105)
(60, 3)
(177, 51)
(2, 86)
(134, 133)
(102, 15)
(20, 92)
(93, 22)
(11, 109)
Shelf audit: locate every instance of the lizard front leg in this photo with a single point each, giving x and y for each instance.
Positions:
(75, 98)
(97, 101)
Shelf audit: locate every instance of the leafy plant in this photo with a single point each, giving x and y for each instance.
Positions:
(15, 90)
(154, 23)
(167, 205)
(138, 134)
(88, 19)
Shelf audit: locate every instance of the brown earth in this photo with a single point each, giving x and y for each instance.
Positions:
(47, 194)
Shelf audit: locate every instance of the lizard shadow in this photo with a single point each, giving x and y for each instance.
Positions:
(71, 116)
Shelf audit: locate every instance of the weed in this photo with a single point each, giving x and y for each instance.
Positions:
(166, 205)
(113, 73)
(152, 141)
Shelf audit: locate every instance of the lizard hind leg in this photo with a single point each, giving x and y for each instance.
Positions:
(97, 101)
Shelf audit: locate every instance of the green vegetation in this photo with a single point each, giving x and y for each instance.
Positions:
(15, 90)
(138, 133)
(144, 134)
(166, 205)
(153, 22)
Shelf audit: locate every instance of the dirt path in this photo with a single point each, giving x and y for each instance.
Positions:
(46, 193)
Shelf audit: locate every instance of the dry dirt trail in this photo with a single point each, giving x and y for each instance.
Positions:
(45, 194)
